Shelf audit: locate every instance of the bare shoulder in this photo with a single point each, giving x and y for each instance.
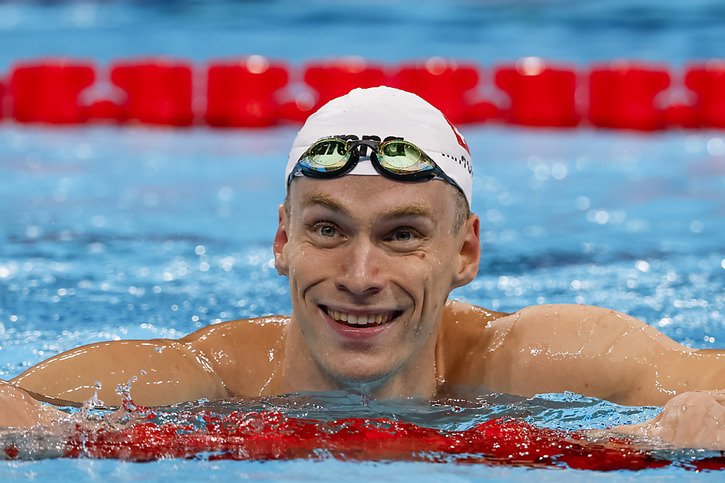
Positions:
(243, 353)
(550, 329)
(552, 348)
(255, 327)
(596, 330)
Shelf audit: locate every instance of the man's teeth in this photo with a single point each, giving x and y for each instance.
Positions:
(360, 319)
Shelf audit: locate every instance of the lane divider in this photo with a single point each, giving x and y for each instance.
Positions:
(255, 91)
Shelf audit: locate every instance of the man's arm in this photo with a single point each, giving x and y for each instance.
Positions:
(19, 410)
(234, 358)
(588, 350)
(607, 354)
(160, 371)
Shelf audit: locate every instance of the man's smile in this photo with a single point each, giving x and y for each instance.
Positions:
(360, 318)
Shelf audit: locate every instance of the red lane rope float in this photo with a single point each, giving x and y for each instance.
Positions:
(256, 92)
(158, 91)
(274, 436)
(449, 86)
(622, 95)
(47, 91)
(707, 81)
(540, 95)
(244, 93)
(3, 89)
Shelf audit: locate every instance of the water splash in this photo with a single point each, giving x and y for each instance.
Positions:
(274, 436)
(317, 427)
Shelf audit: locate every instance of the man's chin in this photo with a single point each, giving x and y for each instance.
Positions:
(365, 375)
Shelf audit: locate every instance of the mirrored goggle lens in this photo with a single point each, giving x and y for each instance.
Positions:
(327, 155)
(401, 157)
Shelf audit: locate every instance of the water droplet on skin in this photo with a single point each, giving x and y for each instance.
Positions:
(125, 389)
(92, 403)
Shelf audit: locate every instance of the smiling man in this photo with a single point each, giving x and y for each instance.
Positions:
(375, 232)
(373, 244)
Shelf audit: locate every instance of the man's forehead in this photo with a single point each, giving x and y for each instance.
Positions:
(332, 204)
(374, 194)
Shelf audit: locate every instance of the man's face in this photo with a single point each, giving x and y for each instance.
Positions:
(370, 263)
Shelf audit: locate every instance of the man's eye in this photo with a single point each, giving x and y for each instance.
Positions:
(328, 231)
(402, 235)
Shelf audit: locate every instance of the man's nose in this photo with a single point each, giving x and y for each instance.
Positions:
(360, 271)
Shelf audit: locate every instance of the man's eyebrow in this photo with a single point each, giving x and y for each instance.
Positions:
(316, 198)
(410, 210)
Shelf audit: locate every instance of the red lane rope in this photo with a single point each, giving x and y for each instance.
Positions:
(274, 436)
(255, 91)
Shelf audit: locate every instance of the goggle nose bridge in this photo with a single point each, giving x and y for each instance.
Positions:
(360, 146)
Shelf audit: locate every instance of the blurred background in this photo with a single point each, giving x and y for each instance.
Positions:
(490, 31)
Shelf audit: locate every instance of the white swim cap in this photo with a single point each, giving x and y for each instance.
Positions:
(383, 112)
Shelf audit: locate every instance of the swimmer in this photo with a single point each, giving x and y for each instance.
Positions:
(374, 233)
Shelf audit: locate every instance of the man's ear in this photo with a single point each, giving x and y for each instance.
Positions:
(469, 253)
(280, 242)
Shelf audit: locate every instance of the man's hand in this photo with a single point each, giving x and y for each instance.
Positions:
(689, 420)
(19, 410)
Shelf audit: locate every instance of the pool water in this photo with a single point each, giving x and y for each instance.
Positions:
(484, 31)
(113, 233)
(116, 233)
(120, 233)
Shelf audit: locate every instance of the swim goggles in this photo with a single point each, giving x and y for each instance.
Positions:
(394, 158)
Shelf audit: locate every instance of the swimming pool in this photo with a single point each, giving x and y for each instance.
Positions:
(111, 233)
(136, 233)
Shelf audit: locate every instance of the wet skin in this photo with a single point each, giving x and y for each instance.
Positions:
(368, 246)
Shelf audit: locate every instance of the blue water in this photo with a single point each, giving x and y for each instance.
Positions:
(113, 233)
(485, 31)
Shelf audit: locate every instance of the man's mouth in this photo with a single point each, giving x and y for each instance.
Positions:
(361, 320)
